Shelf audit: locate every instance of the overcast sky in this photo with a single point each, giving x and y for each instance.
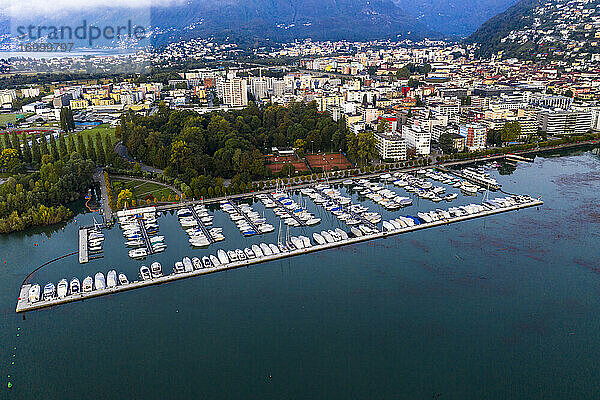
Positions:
(23, 8)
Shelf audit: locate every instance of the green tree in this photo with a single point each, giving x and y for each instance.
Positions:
(510, 131)
(446, 143)
(71, 147)
(62, 147)
(44, 145)
(100, 154)
(180, 156)
(366, 147)
(81, 147)
(27, 157)
(91, 150)
(36, 154)
(54, 148)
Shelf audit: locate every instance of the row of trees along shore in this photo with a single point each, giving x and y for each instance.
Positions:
(46, 174)
(39, 198)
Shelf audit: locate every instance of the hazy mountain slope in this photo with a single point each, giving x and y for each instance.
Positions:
(454, 17)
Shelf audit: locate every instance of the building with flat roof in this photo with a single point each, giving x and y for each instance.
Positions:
(417, 139)
(564, 122)
(475, 136)
(390, 146)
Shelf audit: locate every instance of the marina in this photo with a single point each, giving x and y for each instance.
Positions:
(99, 287)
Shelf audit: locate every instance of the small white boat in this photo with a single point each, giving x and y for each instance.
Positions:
(206, 263)
(138, 253)
(231, 254)
(187, 264)
(156, 269)
(34, 293)
(214, 260)
(49, 291)
(257, 251)
(197, 263)
(342, 233)
(266, 250)
(111, 279)
(240, 254)
(99, 281)
(178, 268)
(357, 232)
(327, 236)
(123, 279)
(249, 253)
(274, 248)
(62, 288)
(318, 238)
(75, 286)
(88, 284)
(145, 273)
(222, 256)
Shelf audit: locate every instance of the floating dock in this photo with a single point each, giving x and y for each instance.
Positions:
(243, 214)
(291, 214)
(84, 255)
(357, 216)
(145, 235)
(23, 304)
(201, 225)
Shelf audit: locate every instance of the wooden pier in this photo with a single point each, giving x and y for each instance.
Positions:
(23, 304)
(84, 255)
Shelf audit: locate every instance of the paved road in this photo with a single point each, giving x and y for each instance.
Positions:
(121, 150)
(99, 177)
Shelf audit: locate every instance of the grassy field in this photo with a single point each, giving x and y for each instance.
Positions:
(104, 130)
(141, 189)
(12, 117)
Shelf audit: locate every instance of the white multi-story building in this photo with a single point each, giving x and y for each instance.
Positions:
(564, 122)
(234, 92)
(417, 139)
(390, 146)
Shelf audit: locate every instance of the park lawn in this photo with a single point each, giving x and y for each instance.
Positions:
(104, 129)
(142, 189)
(11, 118)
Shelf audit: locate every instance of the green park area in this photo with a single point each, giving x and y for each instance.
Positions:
(142, 190)
(11, 118)
(104, 130)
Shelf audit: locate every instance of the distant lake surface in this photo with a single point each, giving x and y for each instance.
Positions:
(502, 307)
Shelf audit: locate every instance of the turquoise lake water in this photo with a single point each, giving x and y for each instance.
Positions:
(502, 307)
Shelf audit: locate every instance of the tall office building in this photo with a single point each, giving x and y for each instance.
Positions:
(234, 92)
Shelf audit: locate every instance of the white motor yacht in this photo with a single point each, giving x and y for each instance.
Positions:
(257, 251)
(156, 270)
(99, 281)
(49, 291)
(62, 288)
(187, 264)
(74, 286)
(145, 273)
(123, 279)
(206, 263)
(88, 284)
(318, 238)
(222, 255)
(214, 260)
(111, 279)
(34, 293)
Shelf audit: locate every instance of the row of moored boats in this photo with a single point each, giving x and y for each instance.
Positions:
(141, 234)
(197, 223)
(65, 288)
